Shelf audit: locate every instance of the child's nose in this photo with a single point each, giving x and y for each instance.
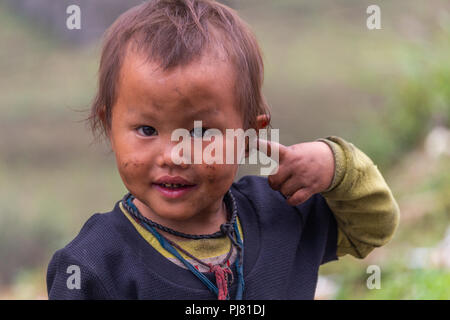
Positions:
(171, 157)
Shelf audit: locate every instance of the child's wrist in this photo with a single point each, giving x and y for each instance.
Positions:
(339, 162)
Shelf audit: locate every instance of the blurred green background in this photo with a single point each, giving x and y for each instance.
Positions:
(387, 91)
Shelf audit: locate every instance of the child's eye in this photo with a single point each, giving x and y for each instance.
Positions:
(146, 130)
(198, 132)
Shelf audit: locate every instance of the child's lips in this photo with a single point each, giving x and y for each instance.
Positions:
(172, 180)
(171, 192)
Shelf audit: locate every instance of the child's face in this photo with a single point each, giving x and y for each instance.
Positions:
(150, 106)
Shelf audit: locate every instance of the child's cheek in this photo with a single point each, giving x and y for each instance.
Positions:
(219, 175)
(214, 161)
(210, 173)
(131, 170)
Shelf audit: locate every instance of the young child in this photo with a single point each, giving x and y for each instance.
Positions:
(189, 231)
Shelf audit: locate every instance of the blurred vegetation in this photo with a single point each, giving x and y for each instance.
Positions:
(326, 74)
(417, 99)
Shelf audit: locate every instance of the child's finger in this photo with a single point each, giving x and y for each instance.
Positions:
(277, 180)
(272, 149)
(291, 185)
(299, 197)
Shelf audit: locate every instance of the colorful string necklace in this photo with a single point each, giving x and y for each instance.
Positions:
(221, 270)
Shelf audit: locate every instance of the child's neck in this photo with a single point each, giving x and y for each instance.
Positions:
(199, 224)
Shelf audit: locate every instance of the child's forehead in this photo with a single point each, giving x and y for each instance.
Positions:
(209, 63)
(207, 78)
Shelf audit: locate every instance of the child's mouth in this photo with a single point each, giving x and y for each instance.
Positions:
(171, 190)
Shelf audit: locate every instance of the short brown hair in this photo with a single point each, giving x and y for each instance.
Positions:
(174, 33)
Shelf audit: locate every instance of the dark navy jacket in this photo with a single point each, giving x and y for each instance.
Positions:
(283, 248)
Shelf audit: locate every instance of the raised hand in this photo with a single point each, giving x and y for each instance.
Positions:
(303, 169)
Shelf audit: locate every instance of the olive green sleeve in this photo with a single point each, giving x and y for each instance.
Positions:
(366, 212)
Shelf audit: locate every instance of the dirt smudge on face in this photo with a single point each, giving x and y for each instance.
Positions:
(211, 174)
(131, 165)
(129, 170)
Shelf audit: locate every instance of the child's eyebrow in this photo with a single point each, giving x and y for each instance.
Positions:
(141, 113)
(209, 111)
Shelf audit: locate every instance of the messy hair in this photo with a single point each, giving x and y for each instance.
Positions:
(174, 33)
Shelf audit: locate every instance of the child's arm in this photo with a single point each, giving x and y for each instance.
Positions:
(365, 209)
(355, 191)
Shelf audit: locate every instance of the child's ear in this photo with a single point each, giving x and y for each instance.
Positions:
(262, 121)
(109, 136)
(105, 126)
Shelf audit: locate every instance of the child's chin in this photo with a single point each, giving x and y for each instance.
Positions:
(174, 214)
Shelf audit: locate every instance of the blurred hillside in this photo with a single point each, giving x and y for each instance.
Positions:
(384, 90)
